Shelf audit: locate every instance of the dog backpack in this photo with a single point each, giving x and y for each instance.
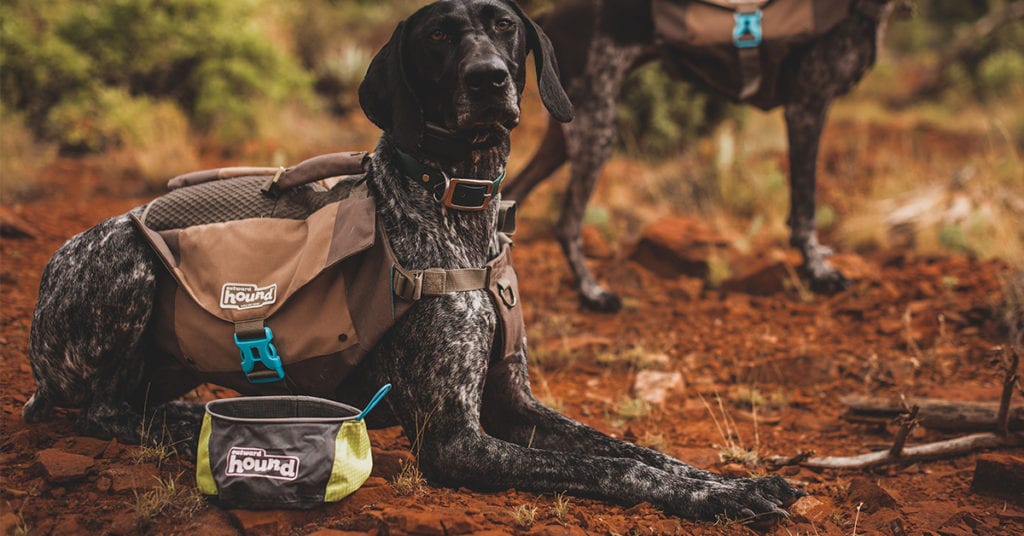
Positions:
(276, 286)
(738, 46)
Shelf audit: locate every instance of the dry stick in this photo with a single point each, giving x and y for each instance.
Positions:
(936, 413)
(1009, 381)
(927, 451)
(909, 422)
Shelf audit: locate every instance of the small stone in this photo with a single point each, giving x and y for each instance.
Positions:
(86, 446)
(999, 474)
(863, 490)
(9, 523)
(131, 477)
(59, 466)
(674, 246)
(811, 509)
(655, 386)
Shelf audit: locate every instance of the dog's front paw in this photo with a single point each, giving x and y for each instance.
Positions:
(825, 278)
(741, 500)
(601, 301)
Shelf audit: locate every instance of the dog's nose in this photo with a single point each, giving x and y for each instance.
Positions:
(486, 75)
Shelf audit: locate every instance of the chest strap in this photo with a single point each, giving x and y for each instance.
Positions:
(411, 285)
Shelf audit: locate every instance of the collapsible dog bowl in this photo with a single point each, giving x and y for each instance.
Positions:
(283, 451)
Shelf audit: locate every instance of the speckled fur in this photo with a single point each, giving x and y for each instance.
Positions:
(473, 421)
(619, 38)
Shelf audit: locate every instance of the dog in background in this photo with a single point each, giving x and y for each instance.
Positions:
(445, 90)
(599, 42)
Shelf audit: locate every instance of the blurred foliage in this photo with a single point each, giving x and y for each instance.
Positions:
(659, 116)
(82, 70)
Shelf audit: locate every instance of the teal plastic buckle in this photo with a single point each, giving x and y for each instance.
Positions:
(260, 351)
(747, 31)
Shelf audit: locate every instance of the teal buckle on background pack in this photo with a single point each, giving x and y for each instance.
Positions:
(260, 351)
(747, 31)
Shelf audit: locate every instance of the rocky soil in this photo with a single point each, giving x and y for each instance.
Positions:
(759, 355)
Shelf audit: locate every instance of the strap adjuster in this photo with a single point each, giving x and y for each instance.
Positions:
(408, 286)
(468, 195)
(747, 31)
(261, 351)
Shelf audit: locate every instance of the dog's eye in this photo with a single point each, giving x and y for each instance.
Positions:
(503, 25)
(438, 35)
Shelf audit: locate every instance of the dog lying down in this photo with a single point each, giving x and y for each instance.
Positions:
(445, 90)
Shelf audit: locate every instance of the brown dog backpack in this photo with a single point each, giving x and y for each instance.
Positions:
(738, 47)
(274, 284)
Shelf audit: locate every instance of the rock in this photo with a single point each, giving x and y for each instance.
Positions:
(765, 277)
(654, 386)
(387, 464)
(438, 521)
(112, 451)
(374, 482)
(12, 226)
(9, 523)
(333, 532)
(812, 509)
(674, 246)
(86, 446)
(270, 522)
(594, 244)
(999, 474)
(59, 466)
(863, 490)
(212, 522)
(68, 524)
(557, 529)
(124, 524)
(131, 477)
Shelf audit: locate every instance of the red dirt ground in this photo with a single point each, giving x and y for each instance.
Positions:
(914, 326)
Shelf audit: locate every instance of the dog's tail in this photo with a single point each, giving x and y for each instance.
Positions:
(39, 408)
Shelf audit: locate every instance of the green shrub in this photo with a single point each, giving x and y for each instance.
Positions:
(658, 115)
(1001, 73)
(65, 62)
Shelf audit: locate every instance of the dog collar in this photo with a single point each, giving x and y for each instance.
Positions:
(467, 195)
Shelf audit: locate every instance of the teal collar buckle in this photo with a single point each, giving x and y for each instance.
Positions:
(466, 195)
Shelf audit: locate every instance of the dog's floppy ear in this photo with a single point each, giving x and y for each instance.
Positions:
(551, 92)
(386, 97)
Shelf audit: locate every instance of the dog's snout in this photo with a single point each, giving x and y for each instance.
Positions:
(486, 75)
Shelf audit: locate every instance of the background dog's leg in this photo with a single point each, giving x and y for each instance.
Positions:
(549, 157)
(590, 142)
(438, 372)
(511, 412)
(805, 119)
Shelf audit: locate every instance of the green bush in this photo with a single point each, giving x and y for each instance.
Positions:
(658, 115)
(66, 62)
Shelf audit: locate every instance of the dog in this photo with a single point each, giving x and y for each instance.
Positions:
(599, 42)
(445, 89)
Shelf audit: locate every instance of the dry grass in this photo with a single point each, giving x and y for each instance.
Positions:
(22, 158)
(524, 515)
(560, 507)
(409, 481)
(167, 499)
(732, 450)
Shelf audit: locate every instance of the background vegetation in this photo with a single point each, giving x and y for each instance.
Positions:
(157, 87)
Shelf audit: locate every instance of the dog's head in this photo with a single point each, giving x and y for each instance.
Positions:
(460, 65)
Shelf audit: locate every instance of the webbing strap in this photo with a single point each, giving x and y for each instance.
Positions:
(748, 26)
(413, 284)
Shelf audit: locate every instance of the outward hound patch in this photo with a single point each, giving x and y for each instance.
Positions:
(242, 296)
(250, 462)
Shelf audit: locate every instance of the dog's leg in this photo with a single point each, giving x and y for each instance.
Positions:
(549, 157)
(590, 141)
(511, 412)
(438, 373)
(828, 69)
(805, 119)
(87, 338)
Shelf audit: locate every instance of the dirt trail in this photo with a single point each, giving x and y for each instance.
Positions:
(911, 326)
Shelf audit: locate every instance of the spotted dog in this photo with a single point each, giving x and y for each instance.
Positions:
(445, 89)
(599, 42)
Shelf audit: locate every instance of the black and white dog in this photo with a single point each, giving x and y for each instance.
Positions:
(456, 68)
(599, 42)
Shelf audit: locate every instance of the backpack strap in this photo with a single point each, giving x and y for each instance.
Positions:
(311, 170)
